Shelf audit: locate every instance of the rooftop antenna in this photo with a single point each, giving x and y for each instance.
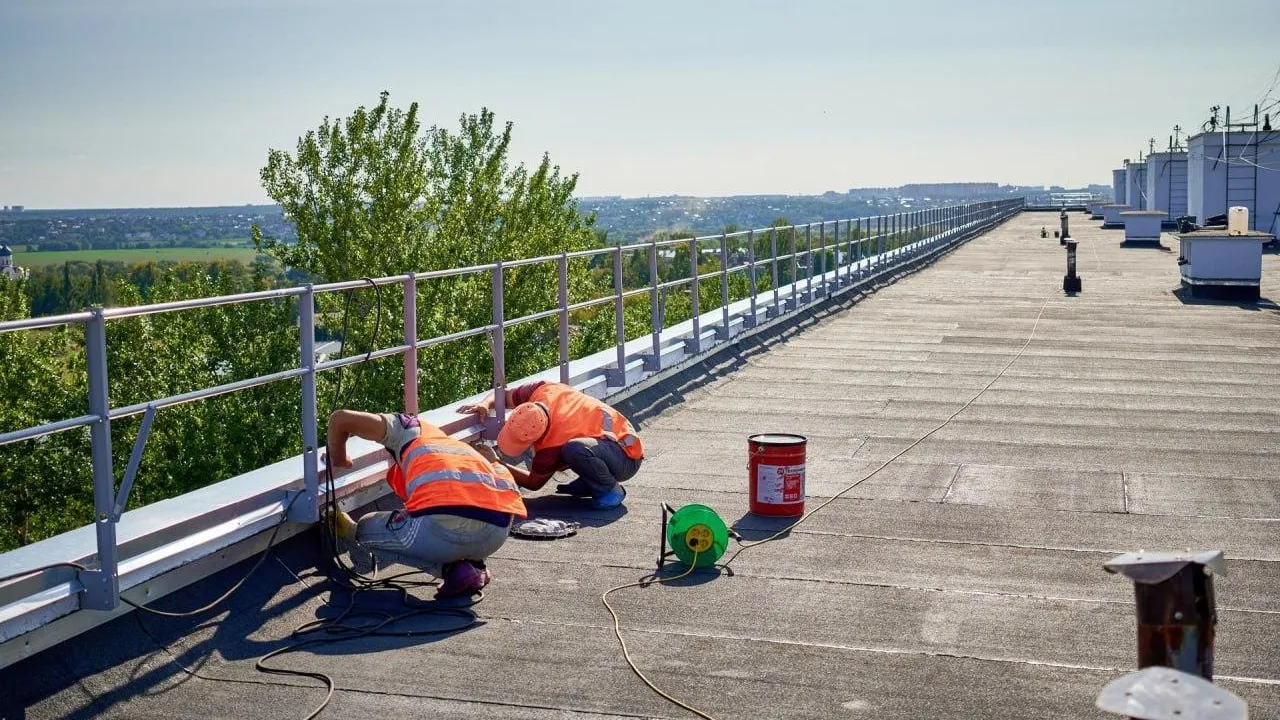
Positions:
(1177, 136)
(1151, 145)
(1170, 143)
(1213, 120)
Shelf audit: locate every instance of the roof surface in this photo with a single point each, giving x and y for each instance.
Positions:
(963, 581)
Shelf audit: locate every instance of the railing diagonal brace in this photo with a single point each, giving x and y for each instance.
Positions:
(135, 459)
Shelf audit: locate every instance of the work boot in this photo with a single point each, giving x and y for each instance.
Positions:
(609, 500)
(576, 487)
(464, 577)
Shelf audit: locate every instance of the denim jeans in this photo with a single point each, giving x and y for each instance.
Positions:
(428, 542)
(600, 463)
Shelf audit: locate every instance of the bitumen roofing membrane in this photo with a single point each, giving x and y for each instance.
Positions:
(964, 580)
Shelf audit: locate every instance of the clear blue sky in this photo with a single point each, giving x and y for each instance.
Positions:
(176, 102)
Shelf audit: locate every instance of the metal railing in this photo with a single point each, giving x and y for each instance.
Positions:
(797, 276)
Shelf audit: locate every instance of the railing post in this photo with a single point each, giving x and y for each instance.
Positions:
(855, 247)
(880, 226)
(722, 332)
(751, 274)
(694, 344)
(822, 258)
(619, 376)
(808, 261)
(653, 362)
(307, 508)
(835, 249)
(792, 301)
(499, 342)
(562, 281)
(411, 340)
(773, 253)
(897, 232)
(101, 586)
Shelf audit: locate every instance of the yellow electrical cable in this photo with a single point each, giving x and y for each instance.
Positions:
(617, 630)
(626, 654)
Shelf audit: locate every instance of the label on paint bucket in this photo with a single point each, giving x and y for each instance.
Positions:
(779, 484)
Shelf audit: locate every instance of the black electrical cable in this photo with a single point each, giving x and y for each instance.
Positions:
(42, 568)
(351, 623)
(271, 542)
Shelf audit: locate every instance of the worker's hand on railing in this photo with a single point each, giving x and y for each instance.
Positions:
(481, 411)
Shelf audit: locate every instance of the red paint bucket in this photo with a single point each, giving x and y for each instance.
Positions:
(776, 467)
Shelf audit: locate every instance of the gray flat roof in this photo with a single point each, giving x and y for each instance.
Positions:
(963, 581)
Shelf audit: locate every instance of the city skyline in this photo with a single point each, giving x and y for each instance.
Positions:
(144, 104)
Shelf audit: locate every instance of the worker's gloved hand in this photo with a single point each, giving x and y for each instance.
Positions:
(344, 527)
(485, 451)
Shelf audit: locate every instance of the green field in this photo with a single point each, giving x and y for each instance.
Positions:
(39, 259)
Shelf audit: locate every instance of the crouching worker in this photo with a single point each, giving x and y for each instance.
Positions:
(458, 506)
(568, 429)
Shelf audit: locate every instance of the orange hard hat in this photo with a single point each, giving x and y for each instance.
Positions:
(527, 423)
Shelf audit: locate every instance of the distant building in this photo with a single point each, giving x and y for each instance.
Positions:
(7, 266)
(951, 191)
(14, 208)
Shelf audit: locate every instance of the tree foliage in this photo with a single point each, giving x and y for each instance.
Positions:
(376, 194)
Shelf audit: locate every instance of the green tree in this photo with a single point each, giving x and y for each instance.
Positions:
(375, 194)
(45, 485)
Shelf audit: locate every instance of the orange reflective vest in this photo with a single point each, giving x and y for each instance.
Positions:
(575, 414)
(434, 470)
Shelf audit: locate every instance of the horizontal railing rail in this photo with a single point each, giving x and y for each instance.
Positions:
(819, 259)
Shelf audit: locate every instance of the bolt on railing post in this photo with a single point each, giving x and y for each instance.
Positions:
(562, 282)
(101, 586)
(499, 350)
(694, 344)
(411, 340)
(723, 331)
(619, 378)
(307, 508)
(752, 275)
(773, 255)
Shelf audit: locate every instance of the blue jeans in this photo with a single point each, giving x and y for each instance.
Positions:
(600, 463)
(428, 542)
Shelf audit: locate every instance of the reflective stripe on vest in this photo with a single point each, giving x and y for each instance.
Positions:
(425, 447)
(577, 415)
(497, 483)
(437, 471)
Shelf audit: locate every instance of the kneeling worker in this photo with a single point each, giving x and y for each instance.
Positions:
(568, 429)
(458, 506)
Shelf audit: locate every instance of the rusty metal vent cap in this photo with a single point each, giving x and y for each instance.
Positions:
(1156, 567)
(1161, 693)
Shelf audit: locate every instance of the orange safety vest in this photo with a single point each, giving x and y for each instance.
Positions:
(575, 414)
(434, 470)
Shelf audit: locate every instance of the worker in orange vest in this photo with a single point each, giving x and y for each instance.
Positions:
(458, 505)
(567, 429)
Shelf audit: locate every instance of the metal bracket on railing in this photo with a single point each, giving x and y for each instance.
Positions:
(100, 588)
(135, 459)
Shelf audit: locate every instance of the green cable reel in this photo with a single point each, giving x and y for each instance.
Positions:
(695, 530)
